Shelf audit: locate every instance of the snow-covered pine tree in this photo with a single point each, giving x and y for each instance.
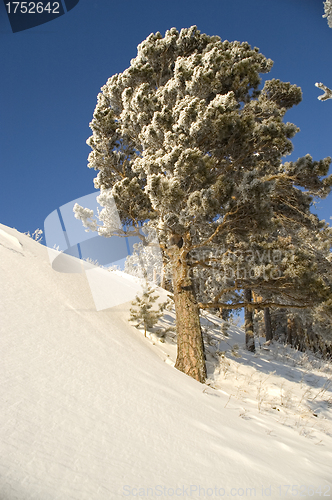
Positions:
(142, 311)
(146, 259)
(309, 274)
(187, 143)
(308, 327)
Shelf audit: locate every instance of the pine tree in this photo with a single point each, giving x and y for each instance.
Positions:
(187, 144)
(141, 311)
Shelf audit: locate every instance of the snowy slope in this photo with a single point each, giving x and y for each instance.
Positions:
(90, 411)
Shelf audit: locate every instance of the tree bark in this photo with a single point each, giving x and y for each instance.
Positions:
(290, 330)
(249, 323)
(190, 348)
(163, 279)
(267, 323)
(223, 313)
(279, 324)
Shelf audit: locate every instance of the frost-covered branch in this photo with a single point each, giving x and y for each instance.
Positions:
(37, 235)
(326, 95)
(109, 220)
(328, 12)
(252, 305)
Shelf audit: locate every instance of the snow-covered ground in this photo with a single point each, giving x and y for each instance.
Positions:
(92, 410)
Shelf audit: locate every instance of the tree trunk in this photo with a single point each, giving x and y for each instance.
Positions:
(267, 323)
(224, 313)
(163, 279)
(279, 324)
(249, 323)
(298, 333)
(190, 348)
(290, 330)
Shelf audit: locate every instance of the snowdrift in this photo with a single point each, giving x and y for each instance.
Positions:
(90, 411)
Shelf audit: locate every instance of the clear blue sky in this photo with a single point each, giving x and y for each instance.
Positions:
(51, 76)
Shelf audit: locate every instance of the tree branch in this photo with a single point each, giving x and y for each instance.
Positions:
(252, 305)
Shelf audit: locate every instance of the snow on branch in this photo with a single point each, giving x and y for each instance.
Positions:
(328, 12)
(252, 305)
(108, 216)
(86, 216)
(328, 92)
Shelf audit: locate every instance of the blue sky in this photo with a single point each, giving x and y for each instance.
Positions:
(51, 75)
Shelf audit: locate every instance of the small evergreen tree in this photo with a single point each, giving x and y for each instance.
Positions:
(141, 311)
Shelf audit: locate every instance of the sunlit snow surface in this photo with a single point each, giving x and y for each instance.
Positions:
(92, 410)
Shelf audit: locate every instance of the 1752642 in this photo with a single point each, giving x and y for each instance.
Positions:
(33, 7)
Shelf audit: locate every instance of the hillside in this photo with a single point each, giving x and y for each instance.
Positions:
(90, 410)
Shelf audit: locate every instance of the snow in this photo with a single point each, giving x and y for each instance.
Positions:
(91, 410)
(9, 238)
